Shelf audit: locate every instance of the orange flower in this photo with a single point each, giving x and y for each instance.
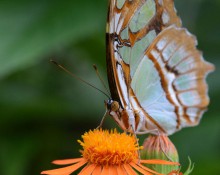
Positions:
(106, 153)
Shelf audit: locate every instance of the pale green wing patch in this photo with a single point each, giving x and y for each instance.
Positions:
(147, 87)
(120, 3)
(186, 81)
(138, 50)
(186, 98)
(144, 78)
(124, 34)
(133, 56)
(125, 53)
(143, 16)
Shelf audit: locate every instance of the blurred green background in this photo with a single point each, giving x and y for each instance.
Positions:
(43, 111)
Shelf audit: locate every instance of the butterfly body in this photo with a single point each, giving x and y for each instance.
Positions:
(155, 72)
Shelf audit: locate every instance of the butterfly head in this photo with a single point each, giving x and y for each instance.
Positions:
(112, 105)
(115, 111)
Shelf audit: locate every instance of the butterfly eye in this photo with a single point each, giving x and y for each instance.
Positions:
(114, 106)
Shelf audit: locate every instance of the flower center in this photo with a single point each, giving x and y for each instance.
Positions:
(109, 148)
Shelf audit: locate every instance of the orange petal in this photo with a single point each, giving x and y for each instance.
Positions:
(67, 161)
(129, 170)
(163, 162)
(113, 170)
(105, 170)
(66, 170)
(87, 170)
(121, 170)
(140, 169)
(97, 170)
(148, 169)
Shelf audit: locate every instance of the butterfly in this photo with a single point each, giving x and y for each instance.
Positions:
(155, 72)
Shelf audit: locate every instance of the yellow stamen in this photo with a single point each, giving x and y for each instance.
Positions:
(109, 147)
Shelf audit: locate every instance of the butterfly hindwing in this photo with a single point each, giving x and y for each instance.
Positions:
(169, 81)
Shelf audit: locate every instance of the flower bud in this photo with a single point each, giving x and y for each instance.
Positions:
(160, 147)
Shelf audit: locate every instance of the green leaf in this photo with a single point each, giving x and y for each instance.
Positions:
(29, 30)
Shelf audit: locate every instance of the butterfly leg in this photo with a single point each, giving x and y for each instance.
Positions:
(161, 147)
(103, 119)
(147, 132)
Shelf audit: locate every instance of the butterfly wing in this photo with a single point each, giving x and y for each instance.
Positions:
(153, 64)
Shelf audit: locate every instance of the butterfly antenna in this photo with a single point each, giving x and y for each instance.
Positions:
(78, 78)
(101, 79)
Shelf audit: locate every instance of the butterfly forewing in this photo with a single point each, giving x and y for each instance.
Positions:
(154, 67)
